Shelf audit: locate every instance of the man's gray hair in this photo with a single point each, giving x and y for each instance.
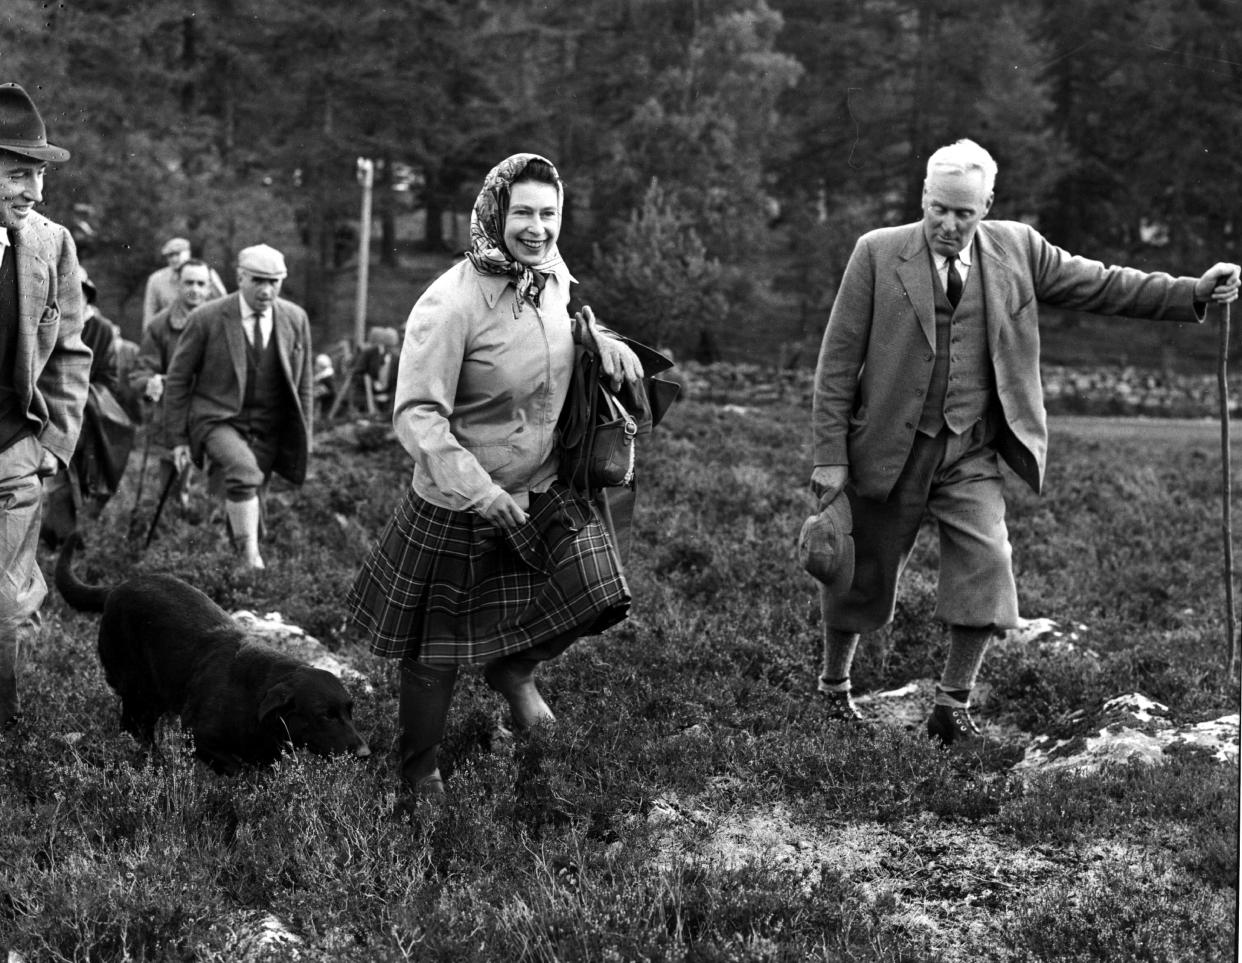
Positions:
(964, 157)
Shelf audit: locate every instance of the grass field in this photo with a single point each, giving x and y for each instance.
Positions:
(691, 803)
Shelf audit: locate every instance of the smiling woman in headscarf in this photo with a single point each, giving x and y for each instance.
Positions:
(488, 559)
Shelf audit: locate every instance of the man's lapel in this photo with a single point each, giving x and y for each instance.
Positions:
(997, 269)
(235, 335)
(914, 271)
(33, 279)
(282, 331)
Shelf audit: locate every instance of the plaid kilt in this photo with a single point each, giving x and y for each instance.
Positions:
(446, 586)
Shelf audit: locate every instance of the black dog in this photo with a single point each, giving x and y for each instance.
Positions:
(167, 648)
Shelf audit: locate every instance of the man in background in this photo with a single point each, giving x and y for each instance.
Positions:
(240, 391)
(44, 368)
(162, 285)
(159, 343)
(107, 435)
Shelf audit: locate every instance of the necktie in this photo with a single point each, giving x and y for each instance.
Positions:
(256, 332)
(953, 287)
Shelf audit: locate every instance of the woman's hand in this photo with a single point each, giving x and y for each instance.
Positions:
(504, 512)
(617, 359)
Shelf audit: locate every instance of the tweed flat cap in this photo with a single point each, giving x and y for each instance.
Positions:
(263, 261)
(826, 545)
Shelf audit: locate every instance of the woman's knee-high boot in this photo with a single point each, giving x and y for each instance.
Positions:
(422, 713)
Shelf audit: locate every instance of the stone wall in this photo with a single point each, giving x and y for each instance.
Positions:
(1067, 390)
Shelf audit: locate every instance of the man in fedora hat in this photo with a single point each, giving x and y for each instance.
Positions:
(240, 389)
(44, 367)
(163, 286)
(928, 377)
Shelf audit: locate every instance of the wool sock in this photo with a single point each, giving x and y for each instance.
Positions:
(967, 646)
(839, 648)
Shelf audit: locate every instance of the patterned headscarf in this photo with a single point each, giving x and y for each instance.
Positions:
(487, 230)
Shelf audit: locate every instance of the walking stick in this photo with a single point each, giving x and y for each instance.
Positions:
(1231, 641)
(159, 508)
(142, 474)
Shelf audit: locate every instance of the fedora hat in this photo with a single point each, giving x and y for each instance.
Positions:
(21, 128)
(826, 545)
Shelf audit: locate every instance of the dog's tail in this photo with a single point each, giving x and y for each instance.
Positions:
(79, 595)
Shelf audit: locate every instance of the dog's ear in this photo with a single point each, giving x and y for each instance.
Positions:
(277, 697)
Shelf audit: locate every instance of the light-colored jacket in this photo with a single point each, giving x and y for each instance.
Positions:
(479, 391)
(879, 346)
(52, 364)
(206, 382)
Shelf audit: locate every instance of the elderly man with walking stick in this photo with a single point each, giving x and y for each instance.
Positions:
(928, 377)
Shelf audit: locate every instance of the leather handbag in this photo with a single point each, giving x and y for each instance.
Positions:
(596, 431)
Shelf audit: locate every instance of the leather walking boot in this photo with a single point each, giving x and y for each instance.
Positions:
(948, 725)
(513, 676)
(422, 714)
(840, 707)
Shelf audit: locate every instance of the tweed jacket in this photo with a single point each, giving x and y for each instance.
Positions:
(879, 347)
(206, 380)
(52, 363)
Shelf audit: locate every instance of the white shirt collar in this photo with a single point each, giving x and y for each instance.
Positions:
(265, 320)
(247, 310)
(965, 258)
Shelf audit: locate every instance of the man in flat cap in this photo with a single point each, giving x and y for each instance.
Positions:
(163, 285)
(239, 389)
(44, 367)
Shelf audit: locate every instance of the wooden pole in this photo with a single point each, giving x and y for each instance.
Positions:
(1222, 382)
(366, 174)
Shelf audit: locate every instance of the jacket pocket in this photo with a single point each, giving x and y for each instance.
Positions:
(48, 331)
